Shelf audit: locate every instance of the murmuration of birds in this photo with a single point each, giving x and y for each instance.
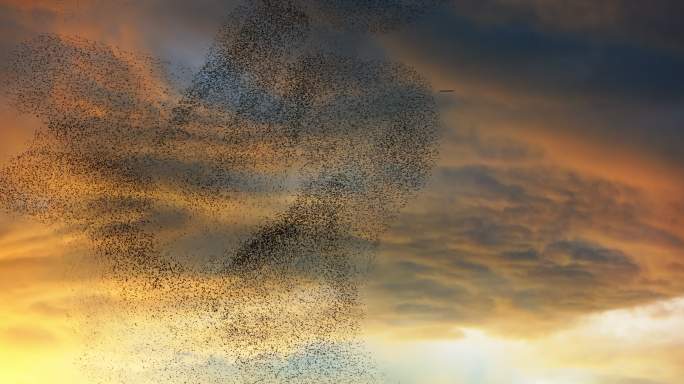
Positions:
(240, 214)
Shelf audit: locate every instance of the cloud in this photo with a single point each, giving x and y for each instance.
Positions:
(24, 336)
(628, 380)
(511, 75)
(22, 273)
(522, 240)
(617, 20)
(546, 62)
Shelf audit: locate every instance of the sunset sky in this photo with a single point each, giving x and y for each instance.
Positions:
(546, 248)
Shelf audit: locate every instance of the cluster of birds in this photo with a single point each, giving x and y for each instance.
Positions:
(275, 117)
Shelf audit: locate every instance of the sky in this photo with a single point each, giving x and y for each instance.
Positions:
(547, 245)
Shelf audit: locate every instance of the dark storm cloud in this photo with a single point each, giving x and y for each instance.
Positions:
(547, 62)
(593, 67)
(656, 24)
(534, 240)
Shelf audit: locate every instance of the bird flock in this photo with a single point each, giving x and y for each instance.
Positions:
(239, 214)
